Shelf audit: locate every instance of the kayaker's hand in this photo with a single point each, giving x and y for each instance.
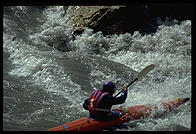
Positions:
(125, 88)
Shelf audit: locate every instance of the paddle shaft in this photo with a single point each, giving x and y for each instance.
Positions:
(141, 74)
(132, 82)
(126, 86)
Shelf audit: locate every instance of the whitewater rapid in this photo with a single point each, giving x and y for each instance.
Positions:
(44, 87)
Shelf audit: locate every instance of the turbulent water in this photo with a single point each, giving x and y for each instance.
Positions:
(44, 87)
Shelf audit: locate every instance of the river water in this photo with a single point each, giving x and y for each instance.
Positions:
(44, 87)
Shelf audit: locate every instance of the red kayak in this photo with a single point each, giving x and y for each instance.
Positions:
(133, 113)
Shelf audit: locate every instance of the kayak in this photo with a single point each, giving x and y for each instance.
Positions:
(133, 113)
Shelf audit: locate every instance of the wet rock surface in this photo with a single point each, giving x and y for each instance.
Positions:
(88, 16)
(122, 19)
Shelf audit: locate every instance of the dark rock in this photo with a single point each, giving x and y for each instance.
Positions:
(14, 38)
(179, 11)
(122, 19)
(126, 19)
(61, 45)
(87, 16)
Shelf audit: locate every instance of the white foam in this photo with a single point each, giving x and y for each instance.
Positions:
(169, 49)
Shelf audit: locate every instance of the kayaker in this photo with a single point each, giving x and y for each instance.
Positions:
(100, 102)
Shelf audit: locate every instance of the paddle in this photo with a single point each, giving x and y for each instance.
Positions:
(141, 74)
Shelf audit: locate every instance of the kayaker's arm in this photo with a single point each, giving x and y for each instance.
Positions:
(121, 99)
(85, 104)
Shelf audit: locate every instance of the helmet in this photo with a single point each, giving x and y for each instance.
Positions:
(109, 86)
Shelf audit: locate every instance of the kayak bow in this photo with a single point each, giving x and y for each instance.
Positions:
(133, 113)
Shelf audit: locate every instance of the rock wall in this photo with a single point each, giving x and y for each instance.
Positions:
(122, 19)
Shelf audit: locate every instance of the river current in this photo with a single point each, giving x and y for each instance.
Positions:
(44, 87)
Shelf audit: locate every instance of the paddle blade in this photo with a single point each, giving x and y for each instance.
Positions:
(145, 71)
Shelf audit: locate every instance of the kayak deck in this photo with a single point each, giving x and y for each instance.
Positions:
(133, 113)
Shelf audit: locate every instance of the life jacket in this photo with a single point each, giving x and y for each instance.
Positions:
(95, 100)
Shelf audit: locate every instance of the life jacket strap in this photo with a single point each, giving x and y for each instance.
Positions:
(102, 110)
